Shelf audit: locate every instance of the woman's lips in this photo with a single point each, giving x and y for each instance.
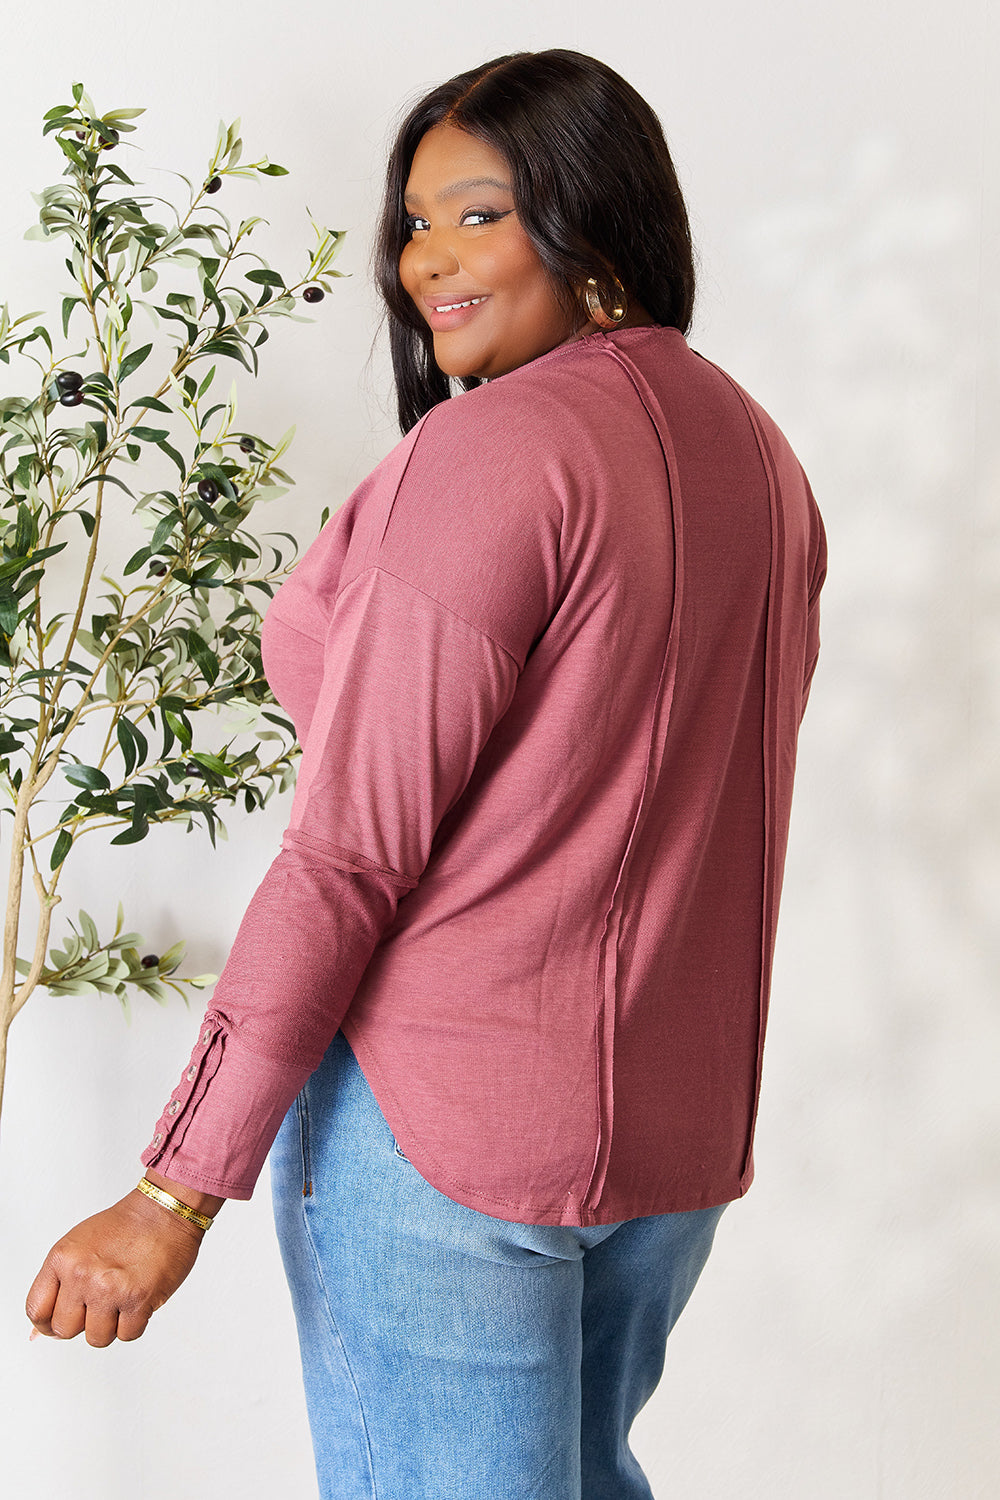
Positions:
(446, 314)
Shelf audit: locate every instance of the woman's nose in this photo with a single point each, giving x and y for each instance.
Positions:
(432, 253)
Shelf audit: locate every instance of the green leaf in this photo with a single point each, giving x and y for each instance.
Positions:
(192, 328)
(89, 642)
(43, 334)
(116, 171)
(89, 777)
(18, 564)
(178, 460)
(89, 930)
(26, 532)
(172, 957)
(61, 958)
(136, 561)
(70, 150)
(25, 471)
(211, 295)
(213, 763)
(9, 610)
(132, 361)
(68, 304)
(168, 738)
(134, 746)
(164, 527)
(204, 656)
(60, 849)
(150, 403)
(179, 727)
(154, 988)
(262, 277)
(228, 350)
(273, 170)
(105, 479)
(150, 434)
(133, 834)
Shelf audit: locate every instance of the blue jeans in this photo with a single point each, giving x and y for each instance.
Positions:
(448, 1355)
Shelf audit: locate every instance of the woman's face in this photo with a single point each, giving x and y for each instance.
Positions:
(469, 266)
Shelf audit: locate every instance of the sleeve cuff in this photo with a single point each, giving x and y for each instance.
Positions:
(221, 1119)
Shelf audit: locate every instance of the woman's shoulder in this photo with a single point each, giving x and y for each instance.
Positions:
(567, 412)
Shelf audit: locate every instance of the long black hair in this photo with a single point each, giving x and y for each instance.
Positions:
(593, 183)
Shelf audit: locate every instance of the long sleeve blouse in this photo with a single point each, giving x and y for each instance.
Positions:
(547, 667)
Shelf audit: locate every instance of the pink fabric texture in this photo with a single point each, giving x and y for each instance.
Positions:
(547, 666)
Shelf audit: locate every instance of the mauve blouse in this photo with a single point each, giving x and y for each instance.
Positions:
(547, 667)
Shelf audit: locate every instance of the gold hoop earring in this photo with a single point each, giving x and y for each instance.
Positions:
(599, 314)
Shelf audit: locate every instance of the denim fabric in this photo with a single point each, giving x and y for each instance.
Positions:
(448, 1355)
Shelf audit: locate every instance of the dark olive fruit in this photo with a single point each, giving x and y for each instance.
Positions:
(71, 398)
(158, 570)
(207, 490)
(108, 138)
(246, 444)
(313, 294)
(192, 768)
(151, 961)
(68, 380)
(213, 184)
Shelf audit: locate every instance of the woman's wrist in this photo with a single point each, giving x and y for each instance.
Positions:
(202, 1203)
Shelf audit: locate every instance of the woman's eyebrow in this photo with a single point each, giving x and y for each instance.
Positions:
(462, 186)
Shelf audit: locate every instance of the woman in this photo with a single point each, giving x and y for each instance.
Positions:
(547, 666)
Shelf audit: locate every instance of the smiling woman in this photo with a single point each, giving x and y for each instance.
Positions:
(504, 988)
(580, 161)
(472, 270)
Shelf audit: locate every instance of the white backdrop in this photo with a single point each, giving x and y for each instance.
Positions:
(841, 165)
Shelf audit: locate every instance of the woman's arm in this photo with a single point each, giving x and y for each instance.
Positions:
(421, 656)
(410, 695)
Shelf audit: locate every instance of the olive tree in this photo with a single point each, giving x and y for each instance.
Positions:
(131, 687)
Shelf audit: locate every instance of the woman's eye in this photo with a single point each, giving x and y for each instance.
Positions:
(473, 217)
(482, 216)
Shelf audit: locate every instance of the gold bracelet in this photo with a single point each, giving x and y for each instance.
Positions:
(166, 1200)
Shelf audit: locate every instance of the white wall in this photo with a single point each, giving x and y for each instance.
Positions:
(842, 169)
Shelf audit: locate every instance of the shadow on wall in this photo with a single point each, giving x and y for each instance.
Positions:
(882, 287)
